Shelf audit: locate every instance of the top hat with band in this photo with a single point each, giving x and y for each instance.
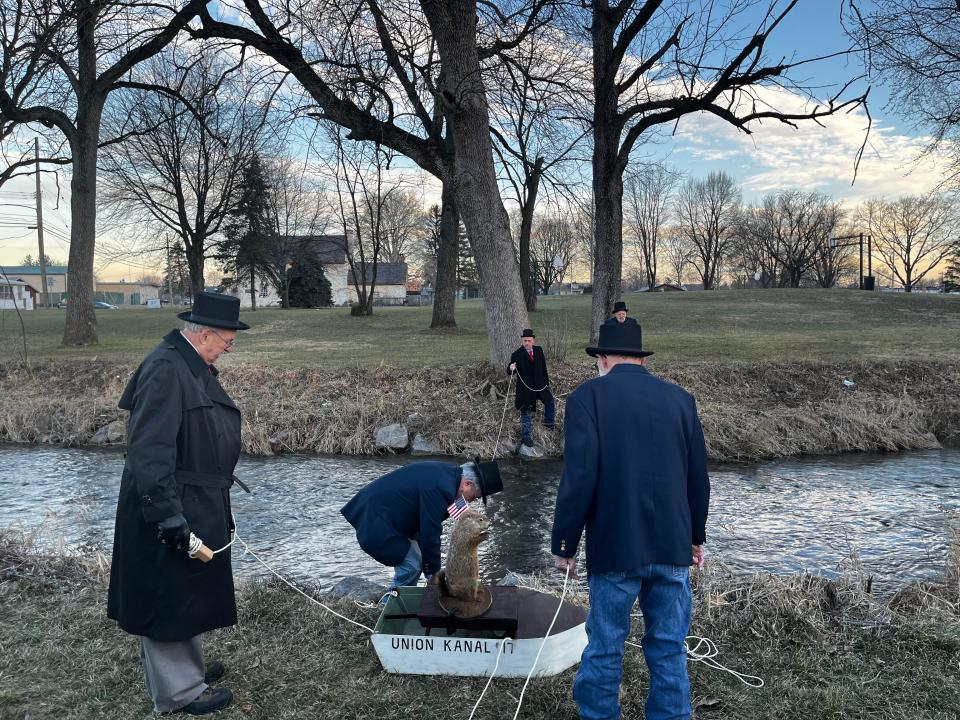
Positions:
(620, 339)
(215, 310)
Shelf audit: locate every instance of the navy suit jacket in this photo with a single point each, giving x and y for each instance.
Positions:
(408, 503)
(634, 473)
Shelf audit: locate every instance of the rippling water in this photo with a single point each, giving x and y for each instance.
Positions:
(783, 516)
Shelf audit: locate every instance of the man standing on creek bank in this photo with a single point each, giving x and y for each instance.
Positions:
(183, 445)
(533, 383)
(635, 475)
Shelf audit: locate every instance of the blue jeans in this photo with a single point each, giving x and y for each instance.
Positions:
(408, 571)
(665, 599)
(526, 418)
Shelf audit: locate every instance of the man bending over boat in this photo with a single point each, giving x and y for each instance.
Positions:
(635, 474)
(398, 517)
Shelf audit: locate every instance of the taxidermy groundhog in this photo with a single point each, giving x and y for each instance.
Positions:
(460, 578)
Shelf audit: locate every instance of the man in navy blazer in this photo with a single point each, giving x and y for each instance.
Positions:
(635, 476)
(399, 516)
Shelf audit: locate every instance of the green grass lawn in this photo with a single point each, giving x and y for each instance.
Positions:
(751, 325)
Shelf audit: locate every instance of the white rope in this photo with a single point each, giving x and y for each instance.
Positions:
(520, 378)
(708, 658)
(506, 401)
(246, 549)
(537, 658)
(489, 680)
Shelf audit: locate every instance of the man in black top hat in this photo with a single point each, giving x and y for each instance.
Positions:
(398, 517)
(183, 442)
(635, 476)
(533, 383)
(619, 315)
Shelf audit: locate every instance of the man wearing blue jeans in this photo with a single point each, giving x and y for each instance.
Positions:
(635, 476)
(399, 516)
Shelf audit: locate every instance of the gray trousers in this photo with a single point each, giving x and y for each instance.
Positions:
(174, 671)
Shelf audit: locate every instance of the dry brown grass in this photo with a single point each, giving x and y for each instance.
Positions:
(749, 410)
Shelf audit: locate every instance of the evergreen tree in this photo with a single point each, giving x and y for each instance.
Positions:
(176, 276)
(468, 277)
(309, 287)
(951, 275)
(249, 233)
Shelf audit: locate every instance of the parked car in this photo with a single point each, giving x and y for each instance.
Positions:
(100, 305)
(62, 304)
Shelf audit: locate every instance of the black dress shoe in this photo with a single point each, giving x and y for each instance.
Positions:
(213, 671)
(210, 700)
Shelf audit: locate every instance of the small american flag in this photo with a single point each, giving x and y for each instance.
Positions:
(457, 507)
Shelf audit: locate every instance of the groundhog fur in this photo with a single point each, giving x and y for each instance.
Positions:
(460, 578)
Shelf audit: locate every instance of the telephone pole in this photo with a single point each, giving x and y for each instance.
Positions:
(43, 259)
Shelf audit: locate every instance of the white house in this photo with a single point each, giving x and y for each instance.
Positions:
(330, 251)
(16, 294)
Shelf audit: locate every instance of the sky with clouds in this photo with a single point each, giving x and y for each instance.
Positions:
(773, 157)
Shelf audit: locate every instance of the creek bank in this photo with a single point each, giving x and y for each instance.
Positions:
(825, 649)
(750, 411)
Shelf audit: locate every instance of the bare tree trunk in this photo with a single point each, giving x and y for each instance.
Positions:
(477, 193)
(195, 263)
(526, 226)
(253, 288)
(445, 293)
(81, 324)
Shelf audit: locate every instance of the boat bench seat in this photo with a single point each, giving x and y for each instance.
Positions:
(500, 618)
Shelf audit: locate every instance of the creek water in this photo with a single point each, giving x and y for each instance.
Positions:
(781, 516)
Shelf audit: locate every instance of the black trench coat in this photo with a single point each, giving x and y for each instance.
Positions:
(182, 448)
(531, 376)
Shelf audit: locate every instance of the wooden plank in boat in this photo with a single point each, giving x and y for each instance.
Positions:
(500, 618)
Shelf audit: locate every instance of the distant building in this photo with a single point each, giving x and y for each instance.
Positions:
(331, 252)
(30, 274)
(123, 293)
(667, 287)
(17, 294)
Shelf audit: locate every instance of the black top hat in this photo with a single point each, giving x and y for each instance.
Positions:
(527, 332)
(620, 339)
(620, 305)
(215, 310)
(488, 475)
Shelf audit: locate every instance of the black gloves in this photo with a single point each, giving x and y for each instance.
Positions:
(174, 531)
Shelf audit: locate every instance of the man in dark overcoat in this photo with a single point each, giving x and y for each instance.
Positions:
(635, 476)
(533, 383)
(183, 442)
(398, 517)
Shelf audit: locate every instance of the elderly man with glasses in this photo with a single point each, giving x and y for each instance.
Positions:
(183, 442)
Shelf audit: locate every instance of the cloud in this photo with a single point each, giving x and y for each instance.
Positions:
(812, 157)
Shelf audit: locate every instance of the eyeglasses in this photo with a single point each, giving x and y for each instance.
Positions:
(227, 344)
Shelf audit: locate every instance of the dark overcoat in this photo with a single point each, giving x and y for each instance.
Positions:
(409, 503)
(182, 448)
(634, 473)
(533, 374)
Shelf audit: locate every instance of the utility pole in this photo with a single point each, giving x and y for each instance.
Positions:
(169, 270)
(43, 260)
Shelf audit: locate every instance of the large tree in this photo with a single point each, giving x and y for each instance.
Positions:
(178, 169)
(346, 57)
(655, 62)
(60, 63)
(649, 195)
(707, 212)
(792, 228)
(913, 47)
(912, 234)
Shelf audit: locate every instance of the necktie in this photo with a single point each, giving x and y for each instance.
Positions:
(531, 356)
